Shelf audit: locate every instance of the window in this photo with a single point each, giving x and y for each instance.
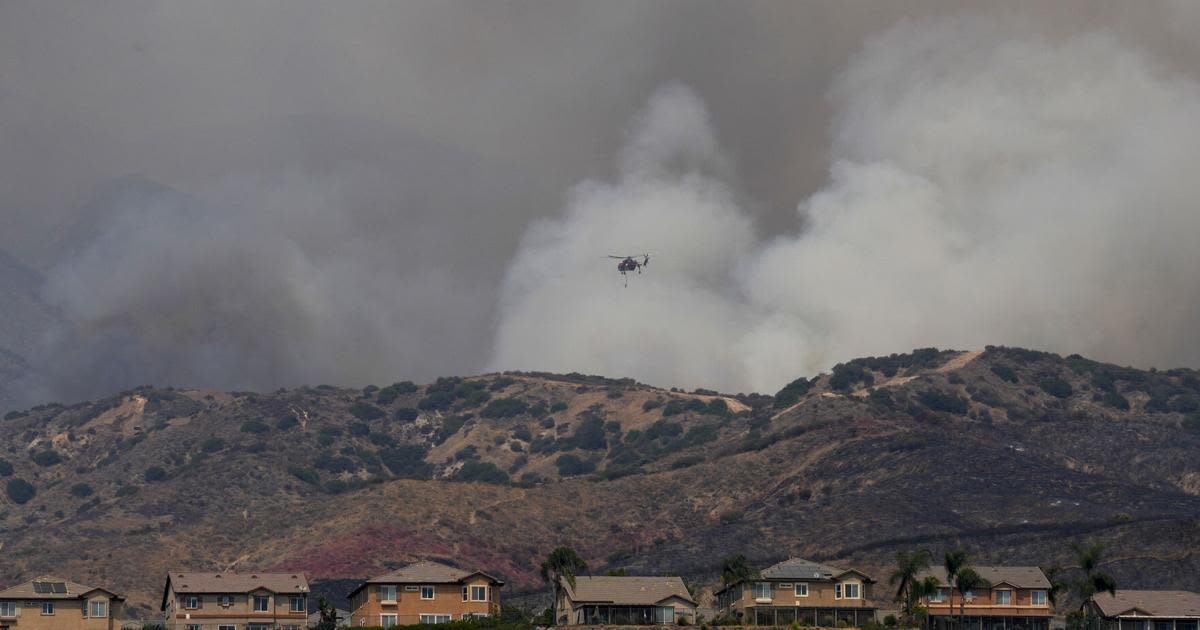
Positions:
(225, 601)
(387, 621)
(191, 602)
(8, 609)
(837, 591)
(227, 627)
(257, 626)
(664, 615)
(969, 596)
(938, 596)
(298, 604)
(1037, 598)
(801, 589)
(291, 627)
(427, 593)
(851, 590)
(1003, 597)
(262, 603)
(762, 590)
(468, 616)
(387, 593)
(433, 618)
(412, 589)
(479, 594)
(98, 609)
(194, 626)
(47, 608)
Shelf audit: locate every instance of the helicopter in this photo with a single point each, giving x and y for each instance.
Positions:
(630, 263)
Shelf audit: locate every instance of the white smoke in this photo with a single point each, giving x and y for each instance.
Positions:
(987, 185)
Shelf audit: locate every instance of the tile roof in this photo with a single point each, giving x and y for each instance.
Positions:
(1020, 577)
(72, 590)
(229, 582)
(427, 572)
(1150, 603)
(800, 569)
(626, 590)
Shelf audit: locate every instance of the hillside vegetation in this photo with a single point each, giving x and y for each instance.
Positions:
(1009, 452)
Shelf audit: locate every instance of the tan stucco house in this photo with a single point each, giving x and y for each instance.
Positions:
(51, 603)
(235, 601)
(800, 591)
(424, 592)
(1144, 610)
(624, 600)
(1016, 600)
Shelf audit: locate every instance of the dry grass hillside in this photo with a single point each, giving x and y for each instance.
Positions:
(1013, 453)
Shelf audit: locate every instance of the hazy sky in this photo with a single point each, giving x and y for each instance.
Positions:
(255, 194)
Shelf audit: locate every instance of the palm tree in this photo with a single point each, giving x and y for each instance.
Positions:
(923, 588)
(967, 580)
(1057, 585)
(953, 560)
(563, 564)
(735, 569)
(1093, 580)
(908, 565)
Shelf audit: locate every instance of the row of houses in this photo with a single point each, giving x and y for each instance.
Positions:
(796, 591)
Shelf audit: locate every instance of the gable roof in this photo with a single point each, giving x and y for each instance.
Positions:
(230, 582)
(1175, 604)
(426, 572)
(800, 569)
(1015, 576)
(69, 590)
(626, 589)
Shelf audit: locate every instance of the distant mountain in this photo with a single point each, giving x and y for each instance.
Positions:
(1012, 453)
(25, 319)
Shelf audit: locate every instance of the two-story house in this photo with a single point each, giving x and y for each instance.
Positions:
(50, 603)
(235, 601)
(1144, 610)
(624, 600)
(424, 592)
(800, 591)
(1016, 600)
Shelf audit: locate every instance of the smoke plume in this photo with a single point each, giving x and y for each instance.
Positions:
(988, 183)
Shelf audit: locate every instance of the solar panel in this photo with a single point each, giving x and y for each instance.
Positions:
(46, 588)
(59, 587)
(41, 587)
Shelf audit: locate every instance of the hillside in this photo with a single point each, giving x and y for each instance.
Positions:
(1011, 452)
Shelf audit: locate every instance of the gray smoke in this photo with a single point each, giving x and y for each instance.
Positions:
(259, 195)
(988, 184)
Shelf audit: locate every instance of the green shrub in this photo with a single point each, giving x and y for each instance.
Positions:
(501, 383)
(406, 414)
(1191, 423)
(365, 411)
(6, 469)
(673, 408)
(381, 439)
(558, 406)
(13, 415)
(522, 433)
(390, 393)
(126, 491)
(936, 400)
(1055, 386)
(651, 405)
(155, 473)
(700, 434)
(663, 429)
(717, 407)
(406, 461)
(20, 491)
(1115, 400)
(436, 401)
(335, 486)
(485, 472)
(212, 445)
(890, 621)
(847, 375)
(570, 466)
(307, 475)
(255, 426)
(505, 408)
(449, 427)
(360, 429)
(81, 490)
(287, 422)
(335, 463)
(590, 435)
(46, 458)
(1005, 373)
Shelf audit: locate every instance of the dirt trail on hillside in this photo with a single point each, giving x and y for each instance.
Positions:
(957, 363)
(735, 405)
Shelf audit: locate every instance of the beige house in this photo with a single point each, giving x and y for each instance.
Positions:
(235, 601)
(624, 600)
(50, 603)
(1016, 600)
(801, 591)
(1144, 610)
(424, 592)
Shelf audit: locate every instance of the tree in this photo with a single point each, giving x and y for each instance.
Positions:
(563, 564)
(735, 569)
(1093, 580)
(965, 581)
(908, 565)
(953, 560)
(1057, 585)
(20, 491)
(327, 615)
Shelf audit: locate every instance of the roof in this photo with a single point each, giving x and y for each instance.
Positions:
(50, 587)
(426, 572)
(1149, 604)
(627, 590)
(801, 569)
(229, 582)
(1016, 576)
